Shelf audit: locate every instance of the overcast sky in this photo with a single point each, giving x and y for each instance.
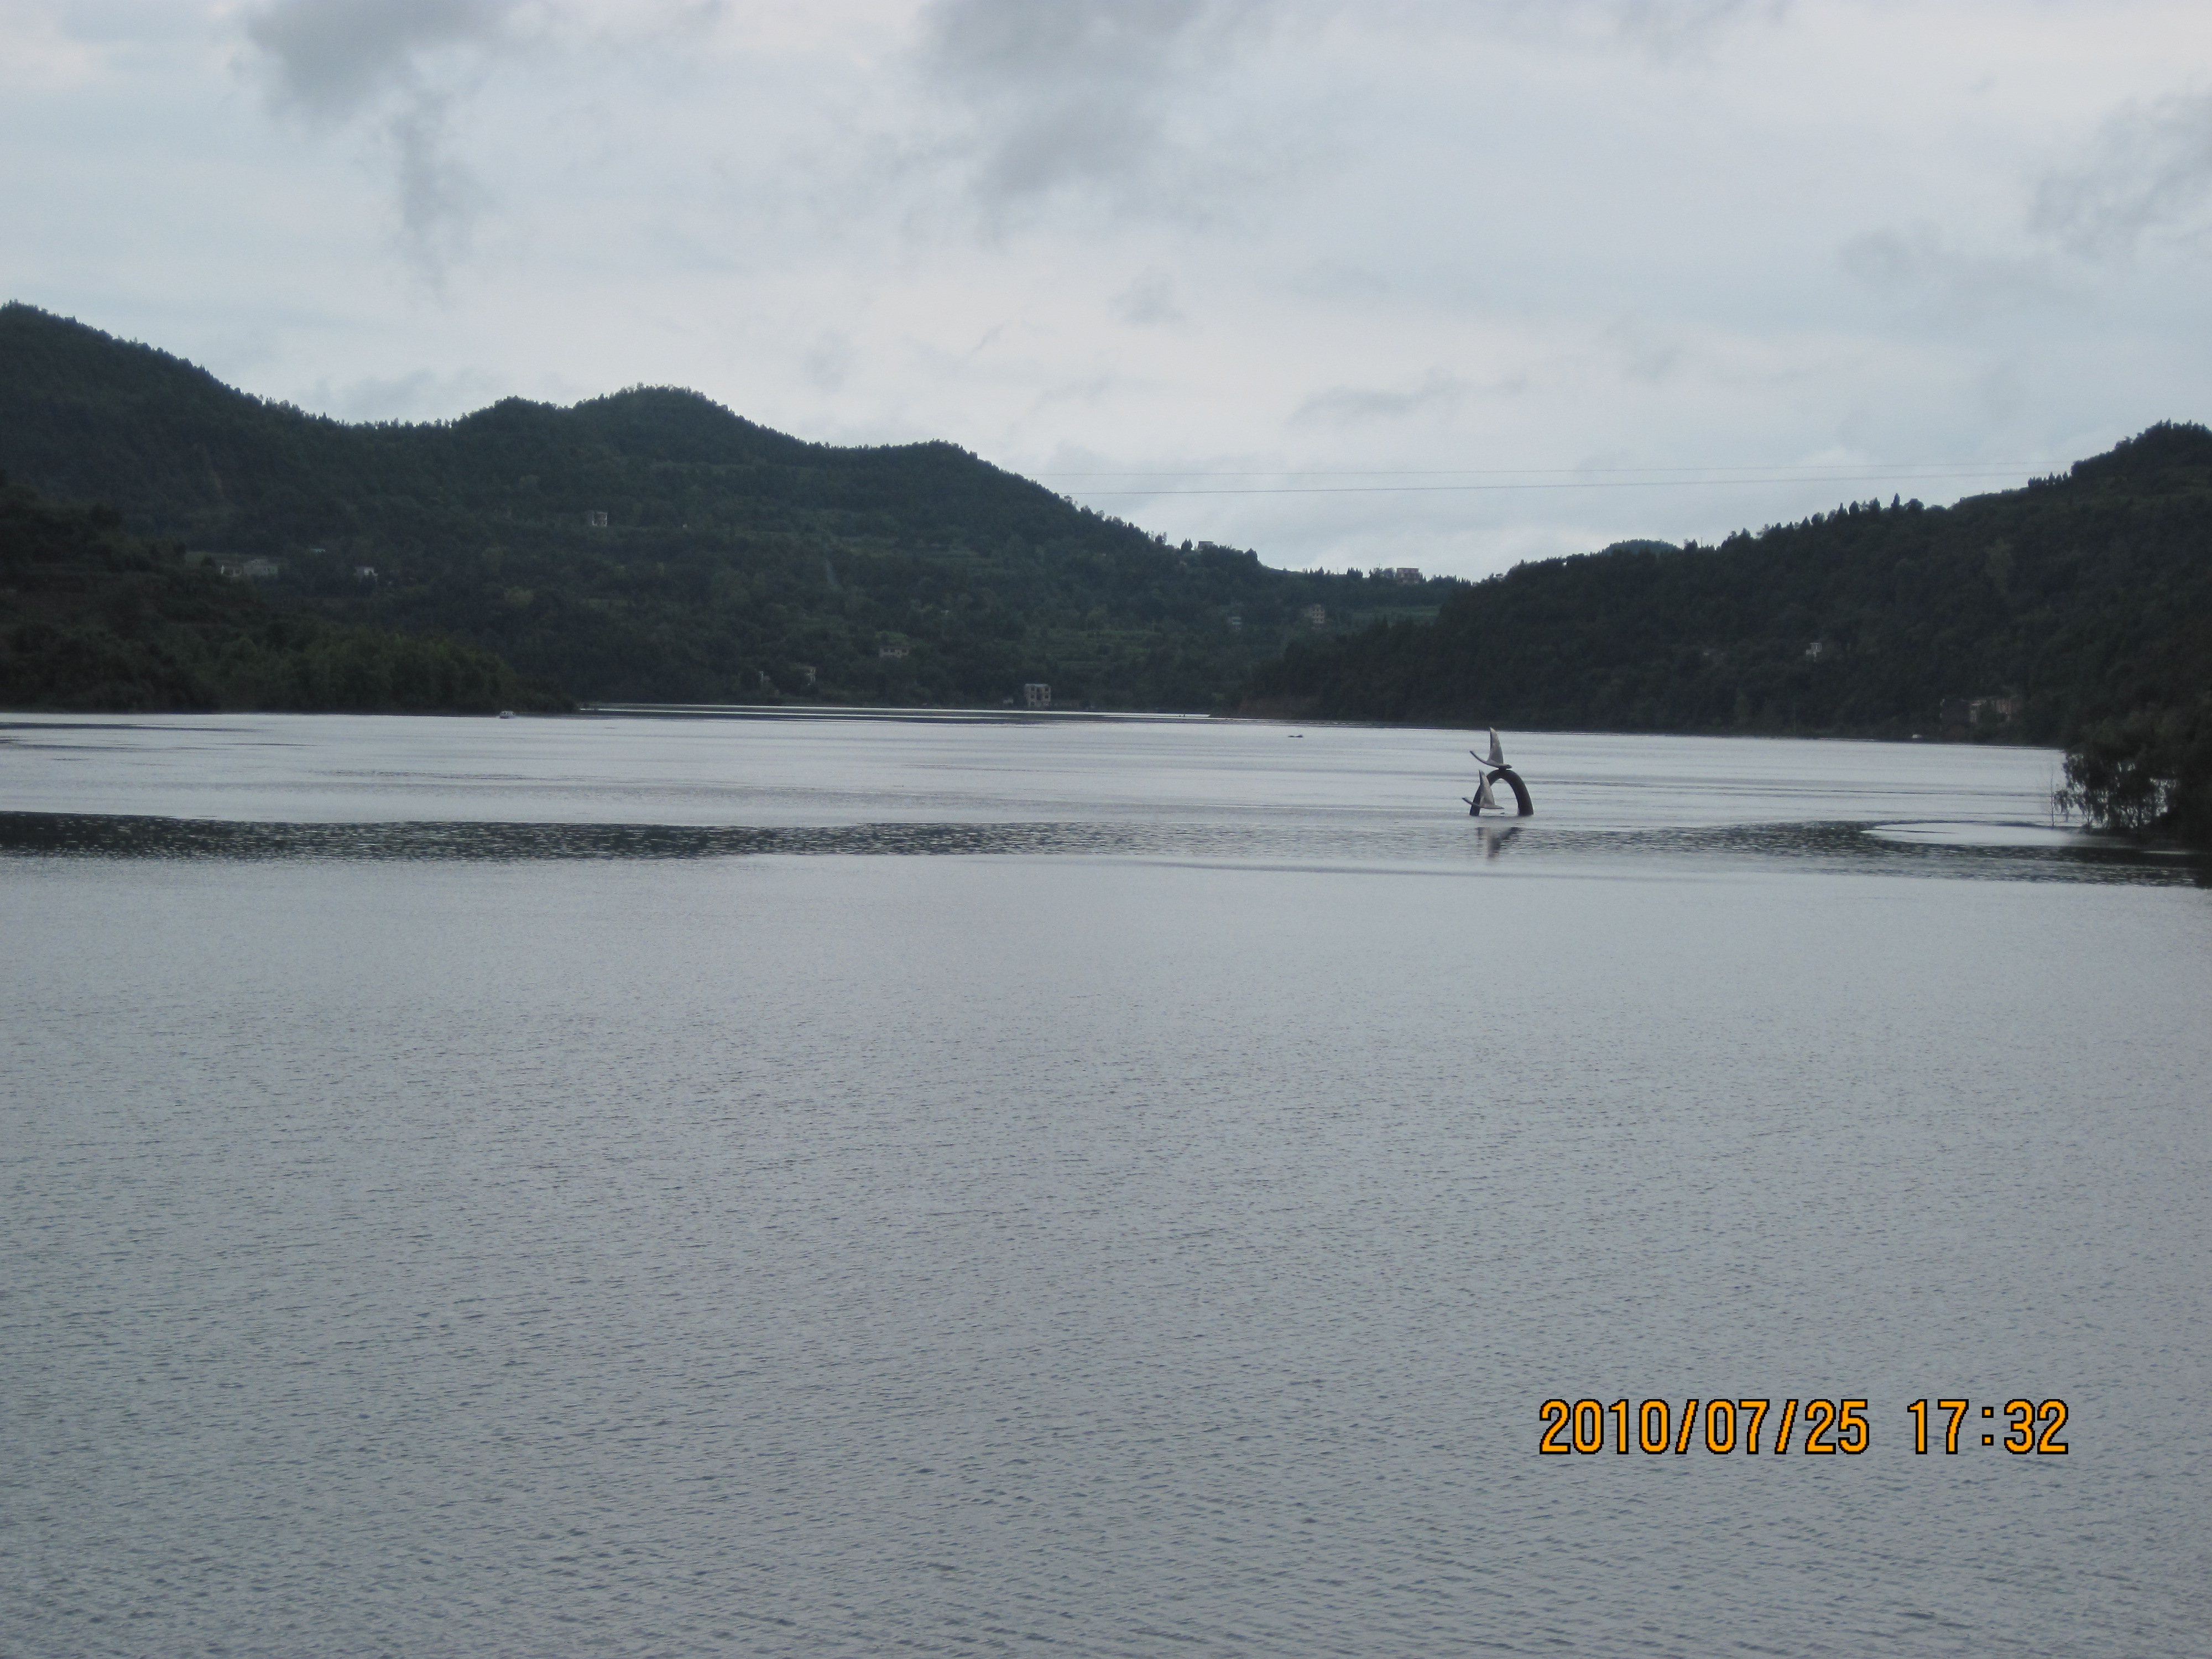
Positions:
(1394, 282)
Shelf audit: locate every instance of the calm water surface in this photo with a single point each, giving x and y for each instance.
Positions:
(858, 1186)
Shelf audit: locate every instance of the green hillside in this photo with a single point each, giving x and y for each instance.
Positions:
(2028, 615)
(93, 619)
(2077, 610)
(734, 563)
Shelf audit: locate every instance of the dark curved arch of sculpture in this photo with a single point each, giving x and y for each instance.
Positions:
(1511, 779)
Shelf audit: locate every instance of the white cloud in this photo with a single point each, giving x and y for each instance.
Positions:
(419, 395)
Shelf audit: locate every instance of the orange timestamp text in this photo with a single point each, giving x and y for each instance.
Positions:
(1817, 1427)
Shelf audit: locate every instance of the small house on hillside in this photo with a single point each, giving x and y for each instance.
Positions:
(1036, 694)
(1961, 717)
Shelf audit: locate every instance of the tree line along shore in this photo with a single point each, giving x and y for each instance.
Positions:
(169, 543)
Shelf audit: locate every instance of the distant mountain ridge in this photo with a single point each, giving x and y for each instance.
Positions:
(652, 545)
(2033, 614)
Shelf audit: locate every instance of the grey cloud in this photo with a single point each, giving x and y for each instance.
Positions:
(1080, 93)
(1343, 405)
(2150, 169)
(438, 199)
(332, 60)
(1135, 103)
(2001, 391)
(1091, 389)
(1919, 267)
(1677, 28)
(1148, 302)
(829, 361)
(1662, 31)
(1645, 354)
(1333, 280)
(1891, 259)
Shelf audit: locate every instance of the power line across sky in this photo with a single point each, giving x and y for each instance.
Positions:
(1867, 467)
(1493, 481)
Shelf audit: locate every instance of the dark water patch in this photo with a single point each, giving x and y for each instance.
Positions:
(721, 711)
(88, 834)
(1830, 847)
(165, 728)
(1845, 846)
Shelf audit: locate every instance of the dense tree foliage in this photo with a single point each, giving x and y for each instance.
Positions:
(734, 563)
(2151, 772)
(92, 618)
(2031, 614)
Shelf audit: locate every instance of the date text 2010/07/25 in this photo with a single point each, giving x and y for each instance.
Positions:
(1829, 1426)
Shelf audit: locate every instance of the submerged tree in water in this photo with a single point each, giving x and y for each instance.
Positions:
(2148, 772)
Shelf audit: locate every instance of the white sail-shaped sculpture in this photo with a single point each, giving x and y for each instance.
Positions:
(1495, 770)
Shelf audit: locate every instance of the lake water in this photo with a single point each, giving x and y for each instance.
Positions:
(862, 1185)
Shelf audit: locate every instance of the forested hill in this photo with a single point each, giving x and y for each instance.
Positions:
(653, 545)
(92, 618)
(2031, 615)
